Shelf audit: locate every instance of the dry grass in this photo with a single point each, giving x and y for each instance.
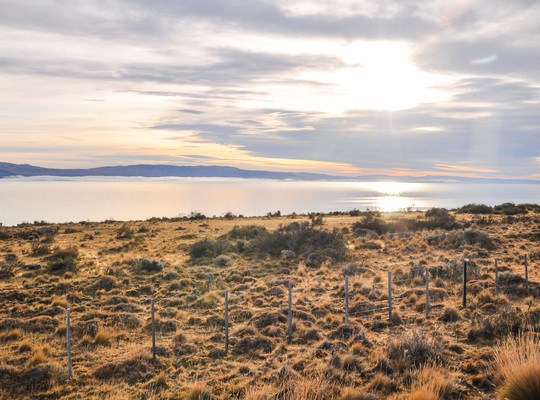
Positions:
(518, 368)
(108, 272)
(435, 382)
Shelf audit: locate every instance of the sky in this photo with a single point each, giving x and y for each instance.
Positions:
(398, 87)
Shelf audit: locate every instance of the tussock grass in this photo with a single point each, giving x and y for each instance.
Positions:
(517, 367)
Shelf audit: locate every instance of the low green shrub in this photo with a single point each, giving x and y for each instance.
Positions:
(62, 260)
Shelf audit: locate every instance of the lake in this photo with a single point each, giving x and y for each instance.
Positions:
(95, 199)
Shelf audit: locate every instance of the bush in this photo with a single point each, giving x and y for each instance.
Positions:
(221, 261)
(437, 218)
(413, 349)
(207, 248)
(246, 232)
(511, 209)
(147, 265)
(474, 208)
(372, 221)
(314, 245)
(460, 238)
(450, 314)
(40, 249)
(195, 215)
(229, 215)
(62, 260)
(124, 232)
(507, 321)
(517, 368)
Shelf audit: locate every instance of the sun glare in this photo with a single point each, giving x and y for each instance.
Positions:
(392, 188)
(393, 196)
(394, 203)
(378, 76)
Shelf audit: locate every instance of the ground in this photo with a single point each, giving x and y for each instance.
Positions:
(108, 272)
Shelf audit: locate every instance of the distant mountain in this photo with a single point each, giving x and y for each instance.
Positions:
(152, 171)
(203, 171)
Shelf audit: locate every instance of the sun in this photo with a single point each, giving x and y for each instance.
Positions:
(377, 75)
(384, 77)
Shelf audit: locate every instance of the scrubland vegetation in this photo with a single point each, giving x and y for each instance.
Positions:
(108, 272)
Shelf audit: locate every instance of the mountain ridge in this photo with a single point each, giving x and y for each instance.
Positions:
(214, 171)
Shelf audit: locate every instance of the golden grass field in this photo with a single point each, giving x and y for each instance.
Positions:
(456, 353)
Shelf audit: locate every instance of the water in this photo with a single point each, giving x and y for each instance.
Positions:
(96, 199)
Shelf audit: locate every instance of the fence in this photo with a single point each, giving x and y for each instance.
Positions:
(392, 298)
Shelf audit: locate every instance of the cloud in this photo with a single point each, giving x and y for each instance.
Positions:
(359, 86)
(463, 168)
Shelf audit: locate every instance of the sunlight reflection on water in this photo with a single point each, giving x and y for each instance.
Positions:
(97, 199)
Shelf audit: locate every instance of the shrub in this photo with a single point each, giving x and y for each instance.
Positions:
(314, 245)
(474, 208)
(505, 322)
(195, 215)
(451, 314)
(438, 218)
(124, 232)
(207, 248)
(511, 209)
(131, 370)
(246, 232)
(413, 349)
(229, 215)
(6, 270)
(40, 249)
(221, 261)
(62, 260)
(316, 219)
(372, 221)
(517, 368)
(460, 238)
(147, 265)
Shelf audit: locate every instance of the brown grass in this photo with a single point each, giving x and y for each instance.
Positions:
(518, 368)
(108, 283)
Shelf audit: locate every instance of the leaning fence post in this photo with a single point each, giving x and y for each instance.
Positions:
(390, 295)
(527, 273)
(464, 283)
(226, 321)
(68, 342)
(496, 277)
(427, 293)
(346, 299)
(289, 338)
(153, 330)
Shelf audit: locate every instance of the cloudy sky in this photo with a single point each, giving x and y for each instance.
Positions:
(403, 87)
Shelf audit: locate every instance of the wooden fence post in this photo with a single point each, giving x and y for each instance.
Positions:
(464, 302)
(527, 273)
(496, 277)
(389, 296)
(226, 321)
(68, 342)
(153, 330)
(289, 337)
(427, 293)
(346, 299)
